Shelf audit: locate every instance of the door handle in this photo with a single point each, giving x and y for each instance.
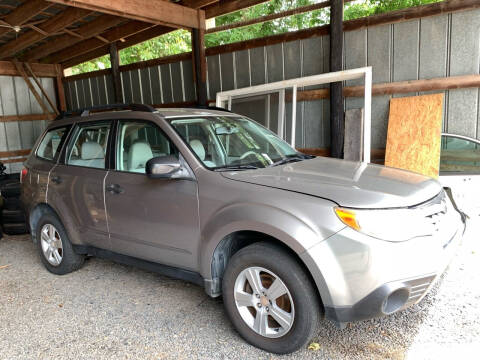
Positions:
(56, 179)
(114, 189)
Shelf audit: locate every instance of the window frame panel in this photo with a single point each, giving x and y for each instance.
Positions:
(61, 145)
(74, 136)
(115, 143)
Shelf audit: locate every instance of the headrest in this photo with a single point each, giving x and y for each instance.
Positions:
(138, 155)
(198, 148)
(92, 150)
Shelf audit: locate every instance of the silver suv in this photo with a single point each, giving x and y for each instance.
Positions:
(214, 198)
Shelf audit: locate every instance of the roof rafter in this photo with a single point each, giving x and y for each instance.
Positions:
(23, 13)
(91, 29)
(225, 7)
(50, 26)
(93, 43)
(129, 41)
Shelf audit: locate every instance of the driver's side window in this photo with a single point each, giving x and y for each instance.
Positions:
(138, 142)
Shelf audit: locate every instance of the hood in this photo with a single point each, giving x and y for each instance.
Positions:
(348, 183)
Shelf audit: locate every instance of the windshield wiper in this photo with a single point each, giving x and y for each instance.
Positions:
(235, 167)
(293, 158)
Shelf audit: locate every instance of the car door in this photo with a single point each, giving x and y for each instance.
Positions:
(151, 219)
(460, 171)
(76, 184)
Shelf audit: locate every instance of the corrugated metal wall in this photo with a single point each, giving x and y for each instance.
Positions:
(17, 99)
(438, 46)
(166, 83)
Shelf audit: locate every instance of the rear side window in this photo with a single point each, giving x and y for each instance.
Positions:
(51, 144)
(88, 146)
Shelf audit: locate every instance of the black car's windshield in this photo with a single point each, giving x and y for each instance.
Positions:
(226, 142)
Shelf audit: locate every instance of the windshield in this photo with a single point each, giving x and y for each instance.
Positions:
(233, 142)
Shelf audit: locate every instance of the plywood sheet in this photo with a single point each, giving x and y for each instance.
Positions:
(414, 134)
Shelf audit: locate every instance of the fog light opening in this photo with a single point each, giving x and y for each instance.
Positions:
(395, 301)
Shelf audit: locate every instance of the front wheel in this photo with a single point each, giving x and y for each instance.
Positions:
(270, 299)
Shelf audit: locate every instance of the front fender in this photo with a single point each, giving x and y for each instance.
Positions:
(297, 233)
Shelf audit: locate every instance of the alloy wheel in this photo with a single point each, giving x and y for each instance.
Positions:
(51, 244)
(264, 302)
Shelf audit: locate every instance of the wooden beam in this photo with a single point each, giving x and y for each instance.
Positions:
(89, 45)
(226, 7)
(40, 86)
(55, 23)
(152, 11)
(90, 29)
(200, 63)
(17, 160)
(29, 117)
(400, 87)
(42, 70)
(134, 66)
(22, 72)
(139, 37)
(298, 10)
(23, 13)
(198, 4)
(62, 102)
(416, 12)
(116, 80)
(337, 123)
(4, 154)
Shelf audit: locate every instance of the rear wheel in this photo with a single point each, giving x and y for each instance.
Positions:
(55, 247)
(270, 299)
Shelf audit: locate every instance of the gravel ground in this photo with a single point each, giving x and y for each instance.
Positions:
(106, 310)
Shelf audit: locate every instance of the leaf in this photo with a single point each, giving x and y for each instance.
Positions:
(314, 346)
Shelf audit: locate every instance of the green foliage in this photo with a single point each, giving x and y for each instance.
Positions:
(172, 43)
(358, 9)
(179, 41)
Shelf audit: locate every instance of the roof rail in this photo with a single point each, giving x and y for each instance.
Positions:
(206, 107)
(108, 107)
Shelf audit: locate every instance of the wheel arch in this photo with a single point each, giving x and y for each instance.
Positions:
(36, 214)
(233, 242)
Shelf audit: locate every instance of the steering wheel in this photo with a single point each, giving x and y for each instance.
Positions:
(248, 153)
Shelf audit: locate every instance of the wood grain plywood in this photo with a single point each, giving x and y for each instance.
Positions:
(414, 134)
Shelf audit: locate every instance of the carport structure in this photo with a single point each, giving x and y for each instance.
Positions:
(64, 33)
(429, 48)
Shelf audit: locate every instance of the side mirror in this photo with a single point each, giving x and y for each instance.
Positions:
(163, 167)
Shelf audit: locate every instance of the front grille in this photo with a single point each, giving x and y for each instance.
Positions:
(439, 215)
(418, 287)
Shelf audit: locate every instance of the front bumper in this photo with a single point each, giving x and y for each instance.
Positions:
(360, 277)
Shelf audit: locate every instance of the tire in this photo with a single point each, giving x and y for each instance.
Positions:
(12, 204)
(69, 260)
(12, 216)
(10, 190)
(272, 263)
(15, 228)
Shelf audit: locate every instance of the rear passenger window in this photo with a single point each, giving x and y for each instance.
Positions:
(50, 146)
(88, 146)
(138, 142)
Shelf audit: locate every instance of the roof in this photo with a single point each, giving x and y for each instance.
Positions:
(71, 32)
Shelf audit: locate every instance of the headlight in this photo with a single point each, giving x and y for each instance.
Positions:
(388, 224)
